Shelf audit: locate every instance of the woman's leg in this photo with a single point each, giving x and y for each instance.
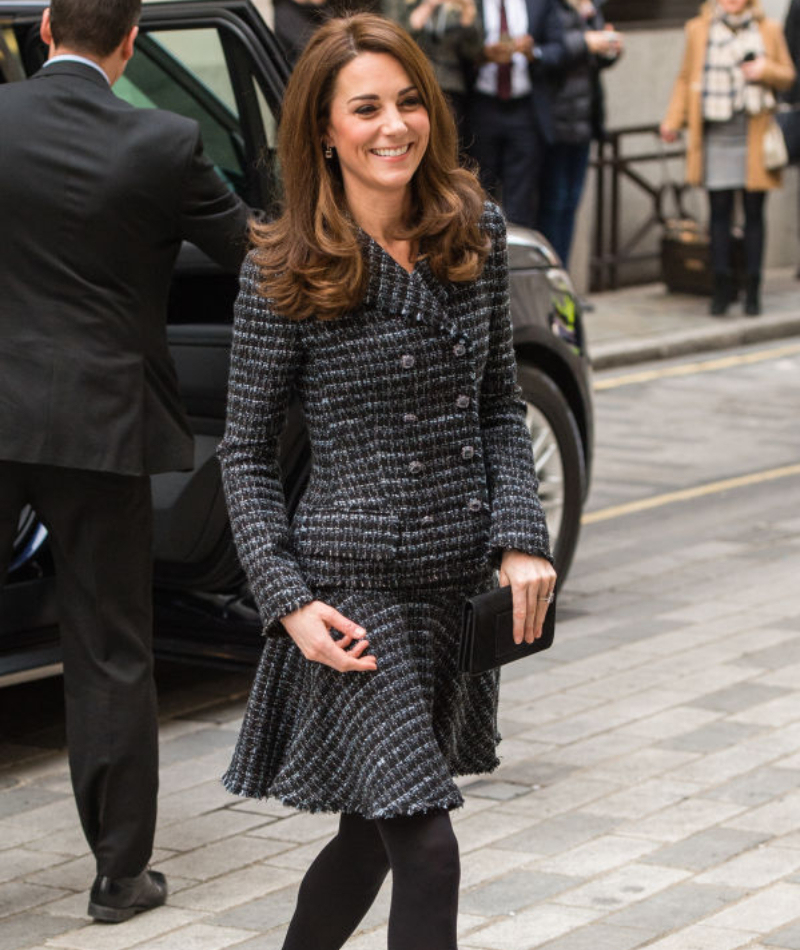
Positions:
(423, 854)
(339, 887)
(753, 248)
(721, 214)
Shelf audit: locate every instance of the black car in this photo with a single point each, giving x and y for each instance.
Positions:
(217, 61)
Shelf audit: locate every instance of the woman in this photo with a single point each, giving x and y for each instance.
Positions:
(735, 59)
(380, 297)
(577, 104)
(449, 33)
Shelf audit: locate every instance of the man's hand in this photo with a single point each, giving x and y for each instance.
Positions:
(310, 628)
(499, 53)
(754, 69)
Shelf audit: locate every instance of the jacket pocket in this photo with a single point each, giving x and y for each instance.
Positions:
(356, 534)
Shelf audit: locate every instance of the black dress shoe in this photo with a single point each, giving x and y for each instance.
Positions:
(113, 900)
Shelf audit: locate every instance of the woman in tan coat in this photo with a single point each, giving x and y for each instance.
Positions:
(735, 59)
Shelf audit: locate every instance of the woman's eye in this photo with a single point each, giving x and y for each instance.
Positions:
(365, 110)
(411, 102)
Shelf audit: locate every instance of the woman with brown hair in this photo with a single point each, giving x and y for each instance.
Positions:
(735, 59)
(380, 297)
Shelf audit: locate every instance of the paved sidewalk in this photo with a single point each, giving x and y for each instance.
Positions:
(643, 323)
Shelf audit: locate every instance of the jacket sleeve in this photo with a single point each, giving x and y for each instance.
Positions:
(678, 108)
(265, 358)
(517, 518)
(211, 215)
(550, 41)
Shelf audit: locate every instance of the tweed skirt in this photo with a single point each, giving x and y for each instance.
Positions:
(376, 744)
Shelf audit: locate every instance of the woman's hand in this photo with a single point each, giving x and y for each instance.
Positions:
(310, 628)
(754, 69)
(532, 580)
(668, 135)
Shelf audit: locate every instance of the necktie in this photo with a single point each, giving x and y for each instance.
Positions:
(503, 69)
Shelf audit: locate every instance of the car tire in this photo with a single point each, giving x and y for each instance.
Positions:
(560, 462)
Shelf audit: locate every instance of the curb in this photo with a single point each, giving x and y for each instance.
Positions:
(733, 332)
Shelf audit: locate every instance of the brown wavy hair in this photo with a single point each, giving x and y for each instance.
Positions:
(311, 259)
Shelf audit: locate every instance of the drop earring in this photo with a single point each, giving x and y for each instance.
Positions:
(329, 151)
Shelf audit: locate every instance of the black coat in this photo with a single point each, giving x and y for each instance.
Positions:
(95, 199)
(577, 95)
(792, 30)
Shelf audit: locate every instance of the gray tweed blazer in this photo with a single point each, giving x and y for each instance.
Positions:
(422, 467)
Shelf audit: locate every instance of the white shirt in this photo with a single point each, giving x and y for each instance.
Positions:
(74, 58)
(517, 16)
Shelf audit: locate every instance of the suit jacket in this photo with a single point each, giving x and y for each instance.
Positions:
(547, 30)
(422, 467)
(95, 198)
(686, 105)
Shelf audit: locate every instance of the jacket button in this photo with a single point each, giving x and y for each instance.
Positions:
(416, 467)
(474, 504)
(463, 402)
(428, 520)
(459, 349)
(410, 417)
(407, 361)
(467, 452)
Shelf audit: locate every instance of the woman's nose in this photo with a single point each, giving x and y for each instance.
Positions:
(394, 122)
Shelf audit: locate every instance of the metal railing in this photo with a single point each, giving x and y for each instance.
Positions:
(611, 250)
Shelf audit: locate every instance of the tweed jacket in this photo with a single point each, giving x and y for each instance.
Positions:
(686, 105)
(422, 466)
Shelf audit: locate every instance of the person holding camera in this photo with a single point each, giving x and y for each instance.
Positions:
(578, 117)
(734, 61)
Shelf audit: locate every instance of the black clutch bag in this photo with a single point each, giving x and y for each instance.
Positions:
(487, 639)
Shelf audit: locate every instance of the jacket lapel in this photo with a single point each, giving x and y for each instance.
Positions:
(419, 296)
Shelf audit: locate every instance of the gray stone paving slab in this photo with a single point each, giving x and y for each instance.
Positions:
(773, 658)
(16, 800)
(261, 914)
(31, 930)
(195, 743)
(685, 903)
(742, 696)
(16, 896)
(499, 791)
(514, 891)
(601, 936)
(788, 938)
(759, 786)
(711, 737)
(706, 848)
(559, 833)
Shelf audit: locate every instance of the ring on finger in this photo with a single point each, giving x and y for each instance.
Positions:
(548, 599)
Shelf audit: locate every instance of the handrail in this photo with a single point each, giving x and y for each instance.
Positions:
(610, 250)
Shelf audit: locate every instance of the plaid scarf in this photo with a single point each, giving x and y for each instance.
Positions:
(725, 91)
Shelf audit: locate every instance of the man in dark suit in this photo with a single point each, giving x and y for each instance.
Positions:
(95, 198)
(511, 119)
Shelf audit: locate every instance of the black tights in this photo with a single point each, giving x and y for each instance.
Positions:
(721, 220)
(345, 877)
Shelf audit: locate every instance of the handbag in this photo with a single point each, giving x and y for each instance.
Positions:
(776, 155)
(487, 637)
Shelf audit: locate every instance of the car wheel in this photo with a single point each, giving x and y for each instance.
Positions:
(30, 536)
(560, 465)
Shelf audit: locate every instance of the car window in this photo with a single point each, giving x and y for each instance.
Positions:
(186, 71)
(11, 68)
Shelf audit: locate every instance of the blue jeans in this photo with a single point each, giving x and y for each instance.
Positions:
(561, 186)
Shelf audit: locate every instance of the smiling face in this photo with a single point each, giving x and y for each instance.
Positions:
(378, 126)
(733, 7)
